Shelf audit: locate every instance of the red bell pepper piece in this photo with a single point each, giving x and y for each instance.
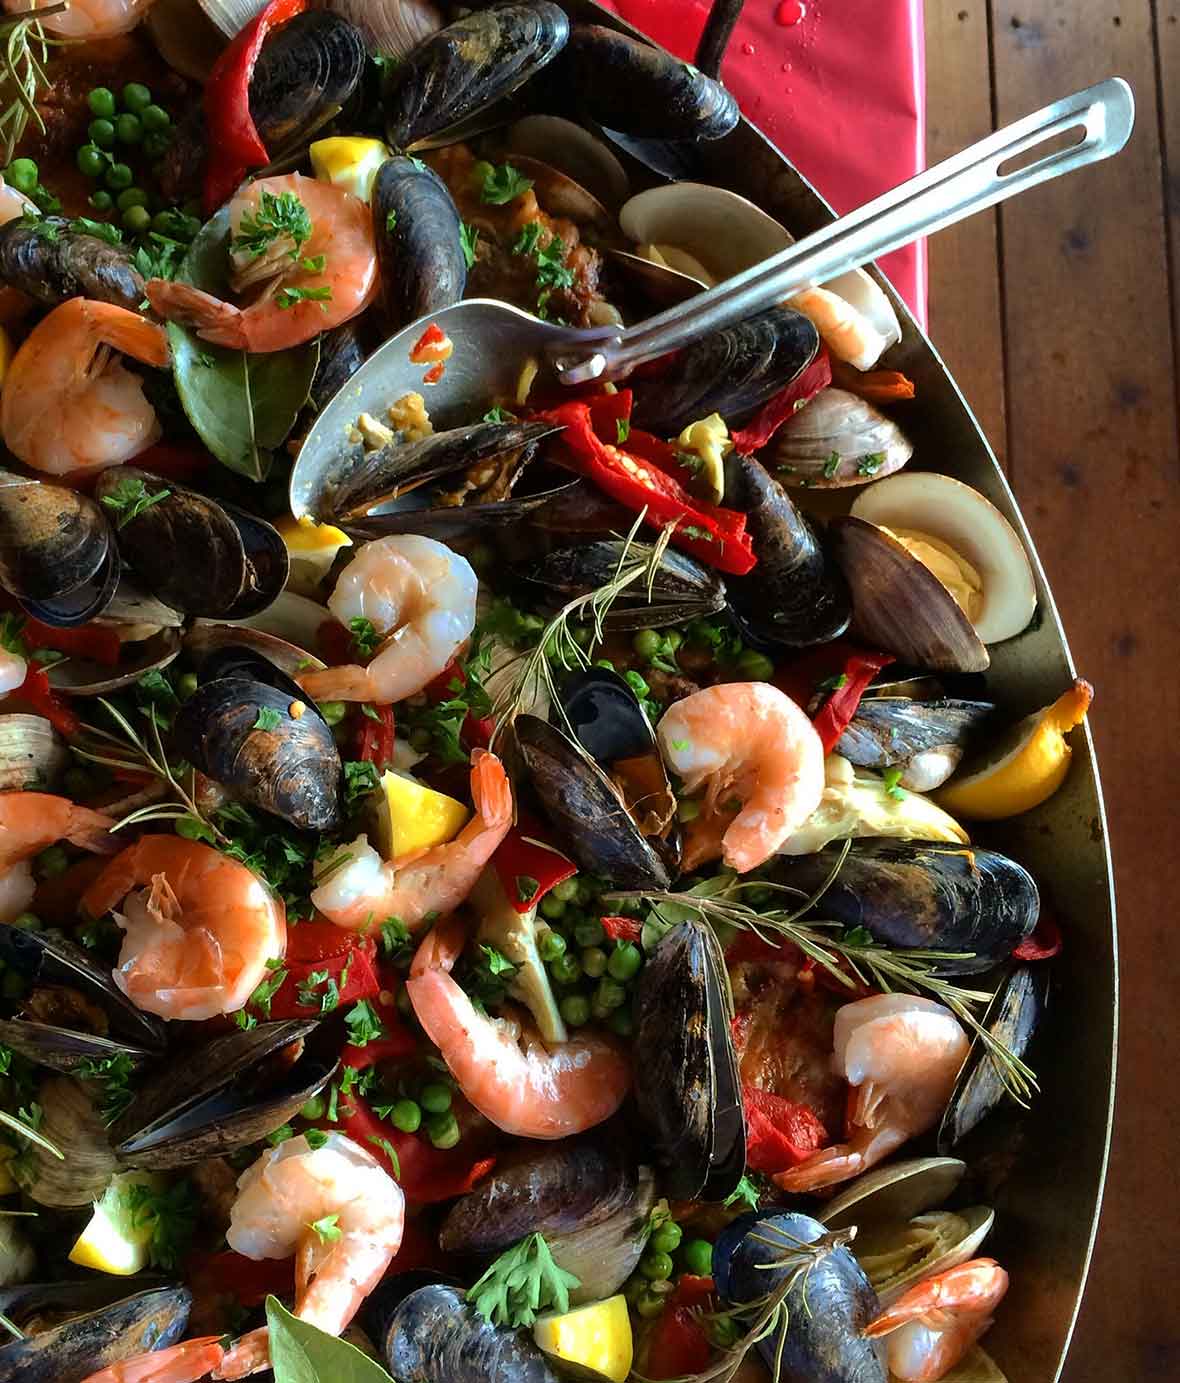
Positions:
(312, 941)
(528, 870)
(1042, 943)
(779, 1132)
(352, 970)
(93, 641)
(35, 690)
(716, 536)
(678, 1345)
(181, 461)
(622, 928)
(248, 1281)
(425, 1173)
(396, 1043)
(335, 643)
(234, 142)
(835, 715)
(785, 404)
(375, 738)
(476, 731)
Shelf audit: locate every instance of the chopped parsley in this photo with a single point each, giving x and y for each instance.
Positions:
(360, 779)
(279, 853)
(130, 498)
(395, 936)
(365, 637)
(622, 430)
(113, 1072)
(274, 219)
(830, 684)
(892, 780)
(280, 1135)
(389, 1150)
(158, 256)
(496, 961)
(526, 889)
(364, 1026)
(468, 239)
(10, 634)
(314, 264)
(103, 230)
(268, 988)
(326, 1228)
(307, 995)
(171, 1214)
(268, 719)
(870, 463)
(503, 184)
(391, 221)
(745, 1193)
(552, 272)
(832, 465)
(288, 297)
(499, 415)
(316, 1138)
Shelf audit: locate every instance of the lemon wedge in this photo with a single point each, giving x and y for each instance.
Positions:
(596, 1338)
(1025, 768)
(312, 548)
(348, 161)
(410, 817)
(112, 1242)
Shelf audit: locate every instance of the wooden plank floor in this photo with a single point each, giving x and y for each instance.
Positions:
(1059, 316)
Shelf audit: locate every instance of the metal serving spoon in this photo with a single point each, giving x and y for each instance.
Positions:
(493, 340)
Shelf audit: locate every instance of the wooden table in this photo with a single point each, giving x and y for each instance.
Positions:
(1059, 317)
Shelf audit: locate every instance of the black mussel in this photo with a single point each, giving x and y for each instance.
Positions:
(55, 546)
(419, 242)
(638, 89)
(28, 1302)
(687, 1086)
(343, 350)
(732, 372)
(195, 554)
(246, 664)
(798, 596)
(433, 1336)
(306, 73)
(602, 1255)
(85, 602)
(46, 960)
(924, 895)
(587, 808)
(229, 1093)
(554, 1190)
(274, 752)
(83, 1345)
(51, 261)
(1012, 1018)
(363, 479)
(444, 87)
(926, 739)
(817, 1339)
(61, 1048)
(682, 590)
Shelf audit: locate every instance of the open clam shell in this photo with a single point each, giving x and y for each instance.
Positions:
(71, 1123)
(85, 677)
(64, 1049)
(895, 1256)
(895, 1193)
(839, 439)
(33, 756)
(572, 150)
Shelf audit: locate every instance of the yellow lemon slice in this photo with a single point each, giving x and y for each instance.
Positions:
(312, 548)
(113, 1242)
(410, 817)
(348, 161)
(596, 1338)
(1025, 768)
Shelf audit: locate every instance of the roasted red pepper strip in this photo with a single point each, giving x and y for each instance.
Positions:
(352, 971)
(622, 928)
(234, 141)
(94, 641)
(678, 1346)
(779, 1132)
(714, 535)
(375, 738)
(476, 731)
(1043, 943)
(424, 1172)
(835, 715)
(396, 1043)
(528, 871)
(180, 461)
(785, 404)
(35, 690)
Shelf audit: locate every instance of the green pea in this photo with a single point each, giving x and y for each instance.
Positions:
(435, 1098)
(443, 1130)
(589, 932)
(597, 1011)
(611, 994)
(23, 174)
(673, 638)
(567, 890)
(51, 862)
(155, 118)
(129, 129)
(650, 1305)
(656, 1265)
(594, 961)
(647, 644)
(186, 685)
(621, 1023)
(575, 1009)
(667, 1238)
(313, 1109)
(91, 160)
(697, 1257)
(407, 1116)
(333, 711)
(27, 922)
(552, 906)
(625, 961)
(583, 635)
(604, 662)
(550, 945)
(687, 809)
(137, 219)
(755, 666)
(101, 200)
(724, 1331)
(566, 969)
(156, 142)
(131, 196)
(102, 133)
(136, 96)
(102, 102)
(118, 176)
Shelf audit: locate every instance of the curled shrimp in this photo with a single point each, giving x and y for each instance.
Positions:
(366, 887)
(337, 1210)
(936, 1322)
(746, 741)
(68, 403)
(300, 286)
(844, 329)
(526, 1090)
(183, 1363)
(198, 927)
(31, 821)
(901, 1054)
(420, 598)
(88, 19)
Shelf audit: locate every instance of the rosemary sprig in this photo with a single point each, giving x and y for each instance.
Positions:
(26, 50)
(13, 1329)
(530, 675)
(27, 1131)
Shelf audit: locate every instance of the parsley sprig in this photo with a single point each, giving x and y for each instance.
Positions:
(275, 218)
(170, 1213)
(130, 498)
(113, 1073)
(521, 1283)
(502, 184)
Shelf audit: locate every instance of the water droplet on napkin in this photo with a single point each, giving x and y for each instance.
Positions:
(749, 49)
(790, 12)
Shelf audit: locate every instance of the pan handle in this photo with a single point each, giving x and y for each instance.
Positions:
(715, 36)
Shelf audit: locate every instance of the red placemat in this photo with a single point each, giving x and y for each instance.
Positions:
(838, 85)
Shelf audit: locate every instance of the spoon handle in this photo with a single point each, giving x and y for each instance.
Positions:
(1020, 156)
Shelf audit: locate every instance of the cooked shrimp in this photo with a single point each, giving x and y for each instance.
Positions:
(846, 332)
(68, 403)
(937, 1321)
(198, 927)
(31, 821)
(367, 888)
(87, 19)
(13, 670)
(282, 1198)
(420, 598)
(901, 1054)
(183, 1363)
(297, 297)
(525, 1090)
(746, 741)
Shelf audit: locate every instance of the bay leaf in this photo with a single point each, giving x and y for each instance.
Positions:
(301, 1353)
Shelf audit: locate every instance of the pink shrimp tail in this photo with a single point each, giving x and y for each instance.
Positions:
(441, 949)
(90, 830)
(824, 1168)
(216, 321)
(491, 792)
(248, 1354)
(183, 1363)
(973, 1288)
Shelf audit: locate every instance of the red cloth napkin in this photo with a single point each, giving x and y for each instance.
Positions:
(840, 88)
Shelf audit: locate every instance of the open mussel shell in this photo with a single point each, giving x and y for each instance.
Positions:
(85, 602)
(732, 372)
(33, 756)
(419, 242)
(895, 1193)
(798, 595)
(65, 1049)
(604, 1253)
(85, 677)
(899, 605)
(45, 959)
(818, 1336)
(207, 638)
(898, 1255)
(246, 661)
(222, 1097)
(926, 739)
(272, 749)
(687, 1086)
(637, 89)
(1011, 1018)
(583, 803)
(52, 540)
(50, 260)
(83, 1345)
(924, 895)
(449, 83)
(306, 72)
(681, 590)
(572, 150)
(838, 439)
(29, 1302)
